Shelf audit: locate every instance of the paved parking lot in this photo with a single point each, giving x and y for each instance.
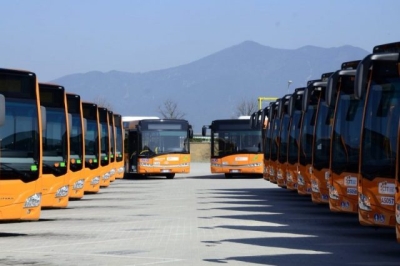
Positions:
(195, 219)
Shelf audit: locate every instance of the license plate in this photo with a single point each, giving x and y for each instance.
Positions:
(234, 171)
(165, 170)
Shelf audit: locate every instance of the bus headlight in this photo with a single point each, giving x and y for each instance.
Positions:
(112, 171)
(79, 184)
(314, 186)
(364, 202)
(62, 191)
(333, 193)
(184, 164)
(398, 213)
(106, 176)
(95, 180)
(300, 180)
(33, 201)
(121, 170)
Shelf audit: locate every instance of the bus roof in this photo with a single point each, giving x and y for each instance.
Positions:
(135, 118)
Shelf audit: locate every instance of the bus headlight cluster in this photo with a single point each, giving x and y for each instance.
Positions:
(364, 202)
(121, 170)
(106, 176)
(145, 164)
(314, 186)
(79, 184)
(398, 213)
(300, 180)
(95, 180)
(62, 191)
(216, 165)
(333, 193)
(271, 171)
(255, 164)
(184, 164)
(33, 201)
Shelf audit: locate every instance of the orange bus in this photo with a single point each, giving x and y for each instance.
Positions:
(104, 147)
(93, 171)
(345, 139)
(157, 147)
(266, 121)
(274, 143)
(235, 148)
(259, 120)
(283, 113)
(20, 145)
(377, 79)
(309, 108)
(295, 113)
(397, 194)
(321, 145)
(119, 147)
(111, 130)
(55, 167)
(76, 146)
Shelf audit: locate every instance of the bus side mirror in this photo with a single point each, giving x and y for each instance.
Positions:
(2, 109)
(361, 79)
(204, 131)
(331, 88)
(190, 132)
(43, 116)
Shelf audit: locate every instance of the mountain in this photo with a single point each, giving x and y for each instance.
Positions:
(212, 87)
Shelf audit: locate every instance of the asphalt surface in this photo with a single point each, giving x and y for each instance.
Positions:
(195, 219)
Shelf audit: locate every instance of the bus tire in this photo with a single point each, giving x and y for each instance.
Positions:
(170, 176)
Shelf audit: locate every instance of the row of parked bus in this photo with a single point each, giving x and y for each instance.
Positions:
(337, 139)
(53, 146)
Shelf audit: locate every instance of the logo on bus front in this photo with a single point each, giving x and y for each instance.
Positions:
(350, 181)
(386, 188)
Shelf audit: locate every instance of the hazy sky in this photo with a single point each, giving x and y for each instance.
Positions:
(57, 38)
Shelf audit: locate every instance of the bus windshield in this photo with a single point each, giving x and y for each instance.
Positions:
(236, 141)
(293, 137)
(162, 142)
(346, 133)
(76, 142)
(19, 141)
(119, 144)
(307, 134)
(275, 139)
(91, 147)
(104, 145)
(379, 133)
(323, 136)
(55, 142)
(284, 139)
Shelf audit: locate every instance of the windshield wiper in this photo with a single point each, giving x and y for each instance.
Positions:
(14, 170)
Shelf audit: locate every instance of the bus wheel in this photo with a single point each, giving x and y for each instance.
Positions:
(170, 176)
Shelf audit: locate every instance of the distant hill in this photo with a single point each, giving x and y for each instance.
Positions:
(212, 87)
